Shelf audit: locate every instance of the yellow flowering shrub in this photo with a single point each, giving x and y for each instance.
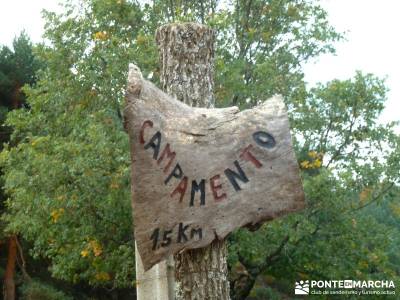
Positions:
(85, 253)
(102, 276)
(100, 35)
(315, 161)
(56, 214)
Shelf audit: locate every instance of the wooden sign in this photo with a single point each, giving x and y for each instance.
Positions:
(198, 174)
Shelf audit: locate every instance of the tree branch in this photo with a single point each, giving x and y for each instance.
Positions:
(344, 144)
(374, 200)
(253, 269)
(23, 263)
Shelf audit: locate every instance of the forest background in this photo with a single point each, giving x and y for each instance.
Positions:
(65, 207)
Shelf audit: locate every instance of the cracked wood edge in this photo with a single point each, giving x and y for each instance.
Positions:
(145, 100)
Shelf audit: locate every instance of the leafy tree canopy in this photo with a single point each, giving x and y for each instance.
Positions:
(70, 170)
(17, 67)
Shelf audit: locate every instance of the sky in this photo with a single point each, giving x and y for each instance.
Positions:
(371, 45)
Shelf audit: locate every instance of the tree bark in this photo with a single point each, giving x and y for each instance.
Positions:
(202, 273)
(9, 284)
(187, 68)
(16, 97)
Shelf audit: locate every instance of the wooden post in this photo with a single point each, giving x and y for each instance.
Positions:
(186, 57)
(199, 173)
(155, 284)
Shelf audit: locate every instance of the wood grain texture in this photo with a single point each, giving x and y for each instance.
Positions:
(187, 59)
(241, 189)
(186, 52)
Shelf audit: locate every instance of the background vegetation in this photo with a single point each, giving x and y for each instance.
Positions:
(66, 210)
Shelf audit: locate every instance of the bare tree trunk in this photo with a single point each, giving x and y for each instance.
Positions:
(202, 273)
(186, 57)
(9, 284)
(16, 100)
(187, 67)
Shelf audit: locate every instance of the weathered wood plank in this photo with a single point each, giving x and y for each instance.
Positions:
(198, 174)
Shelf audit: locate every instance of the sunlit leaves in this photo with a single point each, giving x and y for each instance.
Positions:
(70, 170)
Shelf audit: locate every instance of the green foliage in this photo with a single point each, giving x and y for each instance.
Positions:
(262, 45)
(261, 293)
(351, 167)
(35, 290)
(17, 67)
(70, 169)
(67, 176)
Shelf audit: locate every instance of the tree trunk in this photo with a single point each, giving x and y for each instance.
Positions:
(9, 284)
(16, 100)
(187, 67)
(186, 58)
(202, 273)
